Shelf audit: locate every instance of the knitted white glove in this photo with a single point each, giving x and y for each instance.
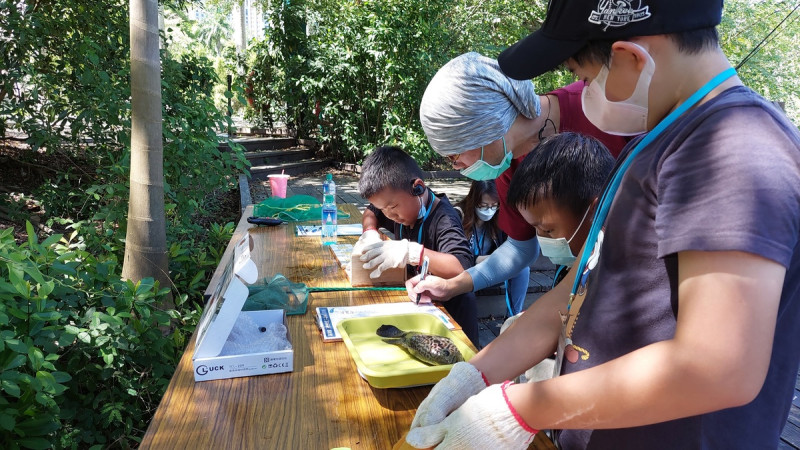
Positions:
(390, 254)
(485, 421)
(368, 237)
(463, 381)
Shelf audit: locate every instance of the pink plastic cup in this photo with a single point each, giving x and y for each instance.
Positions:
(277, 182)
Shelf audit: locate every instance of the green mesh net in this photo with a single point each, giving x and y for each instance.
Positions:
(278, 293)
(297, 208)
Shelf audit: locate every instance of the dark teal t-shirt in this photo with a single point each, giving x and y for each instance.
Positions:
(724, 177)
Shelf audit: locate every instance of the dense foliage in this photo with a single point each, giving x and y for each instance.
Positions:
(84, 356)
(352, 73)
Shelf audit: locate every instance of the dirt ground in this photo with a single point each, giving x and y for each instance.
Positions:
(23, 172)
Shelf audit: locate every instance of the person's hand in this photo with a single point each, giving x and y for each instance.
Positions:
(485, 420)
(386, 255)
(369, 237)
(431, 288)
(463, 381)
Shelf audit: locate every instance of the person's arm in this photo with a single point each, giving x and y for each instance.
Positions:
(443, 265)
(728, 303)
(529, 340)
(369, 221)
(505, 262)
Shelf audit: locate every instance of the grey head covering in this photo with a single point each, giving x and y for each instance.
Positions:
(470, 103)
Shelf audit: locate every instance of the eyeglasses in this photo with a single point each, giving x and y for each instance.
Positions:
(453, 158)
(487, 205)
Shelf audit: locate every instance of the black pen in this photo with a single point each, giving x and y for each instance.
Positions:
(423, 272)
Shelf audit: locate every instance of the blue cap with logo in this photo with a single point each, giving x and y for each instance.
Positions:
(571, 24)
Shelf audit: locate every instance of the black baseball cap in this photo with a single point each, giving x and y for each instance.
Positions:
(571, 24)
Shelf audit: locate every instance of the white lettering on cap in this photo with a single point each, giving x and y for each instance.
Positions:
(618, 13)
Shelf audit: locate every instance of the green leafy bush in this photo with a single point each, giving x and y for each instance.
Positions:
(84, 356)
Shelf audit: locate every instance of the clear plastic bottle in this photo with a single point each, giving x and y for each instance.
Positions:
(328, 211)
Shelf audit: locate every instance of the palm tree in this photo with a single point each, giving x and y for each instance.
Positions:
(146, 238)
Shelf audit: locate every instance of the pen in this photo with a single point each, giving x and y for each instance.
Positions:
(423, 272)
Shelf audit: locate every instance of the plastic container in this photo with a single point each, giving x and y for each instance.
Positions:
(277, 183)
(385, 365)
(328, 211)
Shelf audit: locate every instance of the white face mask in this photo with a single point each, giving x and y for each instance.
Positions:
(558, 249)
(485, 214)
(624, 118)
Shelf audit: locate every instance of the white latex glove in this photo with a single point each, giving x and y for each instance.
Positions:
(368, 237)
(484, 421)
(463, 381)
(390, 254)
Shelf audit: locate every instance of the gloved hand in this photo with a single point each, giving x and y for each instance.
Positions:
(463, 381)
(486, 420)
(390, 254)
(370, 236)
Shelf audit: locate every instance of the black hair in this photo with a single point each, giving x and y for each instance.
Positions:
(569, 168)
(388, 167)
(471, 201)
(691, 42)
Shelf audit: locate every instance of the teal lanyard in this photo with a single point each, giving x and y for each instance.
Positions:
(479, 242)
(424, 216)
(608, 195)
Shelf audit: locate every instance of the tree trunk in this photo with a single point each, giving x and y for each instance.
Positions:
(146, 238)
(242, 26)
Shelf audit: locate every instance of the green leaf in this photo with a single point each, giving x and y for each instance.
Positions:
(7, 422)
(36, 357)
(10, 387)
(45, 288)
(85, 337)
(45, 316)
(34, 443)
(17, 345)
(61, 377)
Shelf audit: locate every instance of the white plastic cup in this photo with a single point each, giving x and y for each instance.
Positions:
(277, 182)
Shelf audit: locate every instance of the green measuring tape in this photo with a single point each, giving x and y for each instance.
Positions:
(335, 289)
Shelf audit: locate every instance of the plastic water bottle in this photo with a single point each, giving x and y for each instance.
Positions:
(328, 211)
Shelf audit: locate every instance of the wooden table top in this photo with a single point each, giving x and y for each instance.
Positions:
(322, 404)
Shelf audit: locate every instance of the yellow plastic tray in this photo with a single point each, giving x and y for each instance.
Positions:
(390, 366)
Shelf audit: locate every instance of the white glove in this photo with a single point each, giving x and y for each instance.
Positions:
(463, 381)
(484, 421)
(370, 236)
(390, 254)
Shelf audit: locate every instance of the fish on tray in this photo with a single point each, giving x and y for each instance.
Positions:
(428, 348)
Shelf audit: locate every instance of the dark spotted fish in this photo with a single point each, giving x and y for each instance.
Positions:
(428, 348)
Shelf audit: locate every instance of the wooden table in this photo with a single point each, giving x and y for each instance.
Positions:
(322, 404)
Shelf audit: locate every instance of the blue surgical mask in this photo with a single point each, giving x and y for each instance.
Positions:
(480, 170)
(485, 214)
(557, 250)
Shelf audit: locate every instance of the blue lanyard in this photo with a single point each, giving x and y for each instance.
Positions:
(479, 242)
(608, 195)
(424, 216)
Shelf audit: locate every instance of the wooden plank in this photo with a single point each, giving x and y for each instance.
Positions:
(791, 435)
(794, 415)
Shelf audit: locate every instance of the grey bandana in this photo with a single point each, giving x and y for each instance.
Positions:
(470, 103)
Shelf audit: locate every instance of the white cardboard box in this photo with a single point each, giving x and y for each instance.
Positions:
(221, 313)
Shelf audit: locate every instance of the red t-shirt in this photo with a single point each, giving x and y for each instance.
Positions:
(572, 119)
